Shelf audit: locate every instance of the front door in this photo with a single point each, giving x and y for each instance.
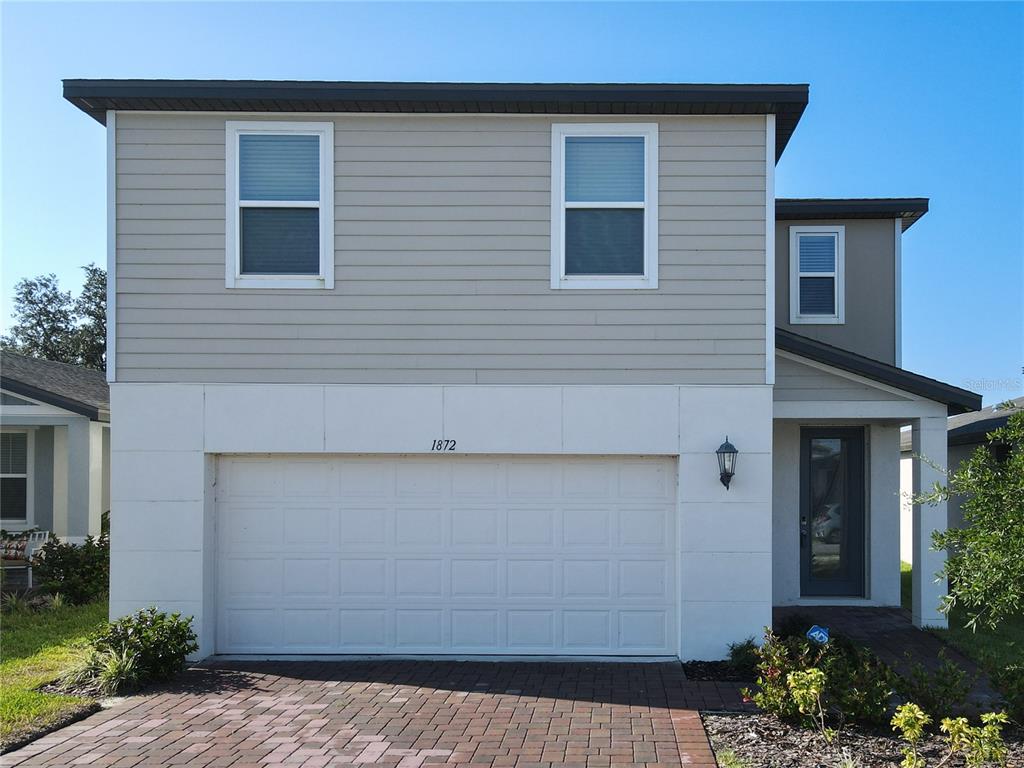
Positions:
(832, 512)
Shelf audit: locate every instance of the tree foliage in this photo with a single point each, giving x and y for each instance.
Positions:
(51, 324)
(91, 309)
(985, 566)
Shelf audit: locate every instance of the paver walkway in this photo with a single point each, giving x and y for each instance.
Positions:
(400, 713)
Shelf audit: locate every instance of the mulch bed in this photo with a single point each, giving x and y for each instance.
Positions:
(762, 741)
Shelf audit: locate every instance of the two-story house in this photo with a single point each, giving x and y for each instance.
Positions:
(457, 369)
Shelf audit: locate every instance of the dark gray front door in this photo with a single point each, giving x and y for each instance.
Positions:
(832, 512)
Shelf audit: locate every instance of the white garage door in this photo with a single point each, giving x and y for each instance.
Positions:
(465, 555)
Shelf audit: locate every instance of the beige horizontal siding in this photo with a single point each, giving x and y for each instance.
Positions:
(795, 381)
(441, 262)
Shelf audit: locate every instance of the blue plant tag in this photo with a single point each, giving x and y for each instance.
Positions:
(818, 634)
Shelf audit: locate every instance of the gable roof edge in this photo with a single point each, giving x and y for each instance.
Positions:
(957, 400)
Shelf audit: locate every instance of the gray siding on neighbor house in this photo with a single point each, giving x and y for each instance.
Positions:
(870, 327)
(442, 262)
(800, 382)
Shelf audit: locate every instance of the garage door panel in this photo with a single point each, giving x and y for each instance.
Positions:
(643, 527)
(250, 577)
(529, 527)
(363, 577)
(309, 630)
(476, 527)
(453, 555)
(419, 527)
(364, 526)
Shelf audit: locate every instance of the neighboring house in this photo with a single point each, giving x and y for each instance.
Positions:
(54, 447)
(966, 431)
(443, 368)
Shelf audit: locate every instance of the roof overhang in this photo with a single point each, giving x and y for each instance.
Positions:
(909, 209)
(957, 400)
(51, 398)
(786, 102)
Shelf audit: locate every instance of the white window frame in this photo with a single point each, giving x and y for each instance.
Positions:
(838, 275)
(233, 267)
(14, 524)
(649, 279)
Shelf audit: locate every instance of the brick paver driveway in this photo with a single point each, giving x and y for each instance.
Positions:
(400, 713)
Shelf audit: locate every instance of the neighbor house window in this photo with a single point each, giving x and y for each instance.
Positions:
(816, 265)
(15, 491)
(280, 205)
(604, 205)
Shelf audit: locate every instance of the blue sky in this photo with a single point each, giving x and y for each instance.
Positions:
(911, 99)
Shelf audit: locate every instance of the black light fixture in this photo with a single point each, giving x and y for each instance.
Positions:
(726, 461)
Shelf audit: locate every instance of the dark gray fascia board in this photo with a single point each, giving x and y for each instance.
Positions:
(956, 399)
(909, 209)
(785, 101)
(51, 398)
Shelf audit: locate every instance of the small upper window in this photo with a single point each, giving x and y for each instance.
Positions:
(816, 293)
(14, 490)
(604, 205)
(280, 216)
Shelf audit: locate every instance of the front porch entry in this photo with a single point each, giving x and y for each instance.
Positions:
(836, 490)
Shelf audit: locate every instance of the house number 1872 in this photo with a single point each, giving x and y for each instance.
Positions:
(442, 445)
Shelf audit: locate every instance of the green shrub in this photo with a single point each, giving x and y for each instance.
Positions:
(777, 658)
(856, 688)
(743, 658)
(910, 721)
(81, 573)
(103, 673)
(807, 687)
(1010, 682)
(15, 602)
(980, 745)
(160, 641)
(939, 692)
(148, 646)
(859, 685)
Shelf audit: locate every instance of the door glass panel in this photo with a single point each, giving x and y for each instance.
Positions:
(829, 519)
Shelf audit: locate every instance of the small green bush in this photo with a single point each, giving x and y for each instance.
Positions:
(148, 646)
(160, 641)
(856, 688)
(1010, 682)
(81, 573)
(859, 685)
(939, 692)
(981, 744)
(15, 602)
(103, 673)
(910, 722)
(743, 658)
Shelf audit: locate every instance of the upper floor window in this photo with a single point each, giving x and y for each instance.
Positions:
(816, 268)
(604, 205)
(280, 208)
(15, 492)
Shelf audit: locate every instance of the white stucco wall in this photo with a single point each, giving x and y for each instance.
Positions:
(165, 438)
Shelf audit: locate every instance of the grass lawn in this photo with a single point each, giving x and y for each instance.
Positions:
(988, 648)
(34, 649)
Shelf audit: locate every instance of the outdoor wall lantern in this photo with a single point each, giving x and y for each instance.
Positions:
(726, 461)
